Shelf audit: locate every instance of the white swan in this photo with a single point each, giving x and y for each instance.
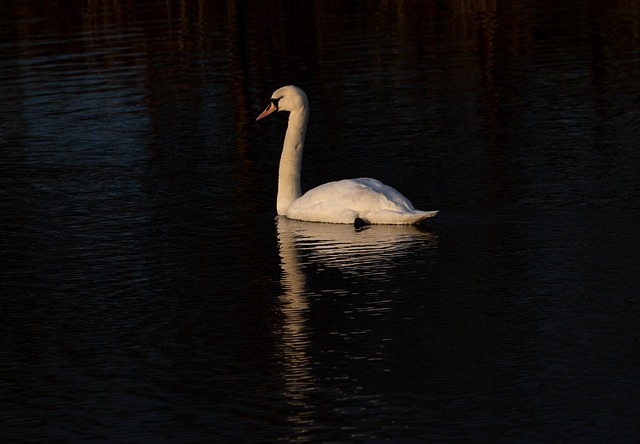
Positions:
(353, 201)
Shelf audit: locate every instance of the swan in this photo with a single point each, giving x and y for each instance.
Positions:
(359, 201)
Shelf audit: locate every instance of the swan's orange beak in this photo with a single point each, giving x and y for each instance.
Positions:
(268, 110)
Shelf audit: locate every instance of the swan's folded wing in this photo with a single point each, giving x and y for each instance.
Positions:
(344, 201)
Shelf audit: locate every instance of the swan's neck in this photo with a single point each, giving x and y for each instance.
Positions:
(291, 159)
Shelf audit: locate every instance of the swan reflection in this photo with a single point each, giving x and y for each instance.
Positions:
(372, 251)
(375, 248)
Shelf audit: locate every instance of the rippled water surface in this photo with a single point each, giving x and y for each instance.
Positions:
(149, 295)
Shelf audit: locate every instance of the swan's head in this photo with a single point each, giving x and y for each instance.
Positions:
(288, 98)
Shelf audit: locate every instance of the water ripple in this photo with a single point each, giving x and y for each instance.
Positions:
(370, 252)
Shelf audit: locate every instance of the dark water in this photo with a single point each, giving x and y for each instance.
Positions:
(148, 295)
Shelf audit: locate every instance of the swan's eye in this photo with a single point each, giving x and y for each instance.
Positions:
(275, 101)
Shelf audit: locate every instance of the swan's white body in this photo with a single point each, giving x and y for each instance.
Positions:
(344, 201)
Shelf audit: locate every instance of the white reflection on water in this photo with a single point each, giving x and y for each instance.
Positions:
(373, 252)
(293, 345)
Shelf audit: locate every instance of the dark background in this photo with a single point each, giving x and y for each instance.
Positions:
(148, 295)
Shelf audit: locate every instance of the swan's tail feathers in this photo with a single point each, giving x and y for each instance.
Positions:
(414, 217)
(422, 215)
